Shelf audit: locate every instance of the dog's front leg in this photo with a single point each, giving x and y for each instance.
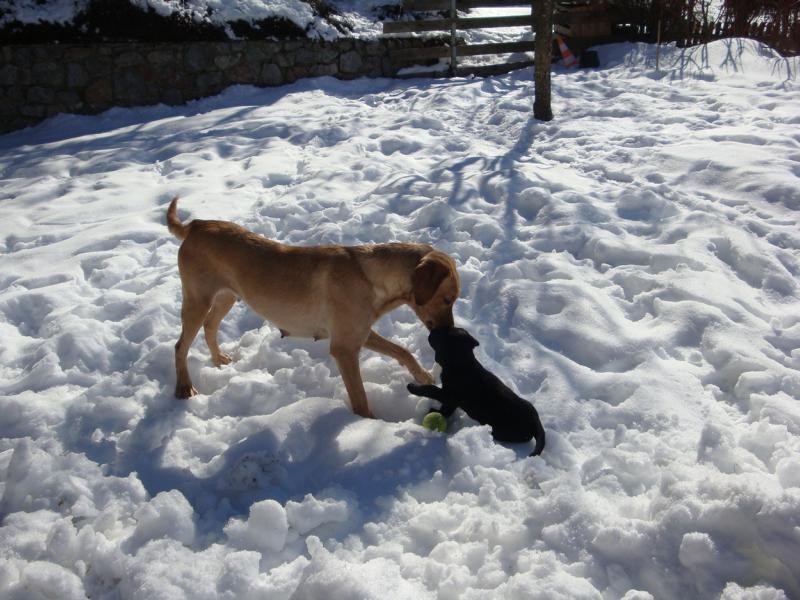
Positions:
(223, 302)
(347, 360)
(380, 344)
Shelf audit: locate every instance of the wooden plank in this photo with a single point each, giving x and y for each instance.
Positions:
(466, 71)
(494, 22)
(407, 55)
(432, 5)
(490, 70)
(495, 48)
(461, 24)
(416, 26)
(569, 18)
(427, 74)
(562, 30)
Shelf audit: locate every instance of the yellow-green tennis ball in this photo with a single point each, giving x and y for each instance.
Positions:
(435, 422)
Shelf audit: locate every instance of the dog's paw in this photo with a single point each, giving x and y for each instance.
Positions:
(424, 377)
(222, 359)
(184, 391)
(365, 413)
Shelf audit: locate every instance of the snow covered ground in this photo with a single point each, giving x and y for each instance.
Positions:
(630, 267)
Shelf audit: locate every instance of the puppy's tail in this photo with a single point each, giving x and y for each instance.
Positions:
(176, 228)
(538, 434)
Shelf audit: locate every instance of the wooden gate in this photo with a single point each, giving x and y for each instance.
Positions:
(453, 46)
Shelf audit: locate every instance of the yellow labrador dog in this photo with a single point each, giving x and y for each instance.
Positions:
(335, 292)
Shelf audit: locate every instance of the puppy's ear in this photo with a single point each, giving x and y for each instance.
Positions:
(465, 338)
(473, 342)
(425, 280)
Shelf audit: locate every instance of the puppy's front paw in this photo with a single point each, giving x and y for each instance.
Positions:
(415, 388)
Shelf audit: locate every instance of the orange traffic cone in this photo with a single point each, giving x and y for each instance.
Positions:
(567, 57)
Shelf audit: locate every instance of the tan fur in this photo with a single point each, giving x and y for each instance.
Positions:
(335, 292)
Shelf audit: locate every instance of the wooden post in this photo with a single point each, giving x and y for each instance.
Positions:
(542, 59)
(453, 57)
(658, 44)
(658, 34)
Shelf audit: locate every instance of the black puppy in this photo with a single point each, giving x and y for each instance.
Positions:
(466, 384)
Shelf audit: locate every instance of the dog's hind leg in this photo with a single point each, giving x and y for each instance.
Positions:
(380, 344)
(347, 360)
(193, 313)
(223, 302)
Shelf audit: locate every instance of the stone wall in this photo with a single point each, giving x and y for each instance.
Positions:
(38, 81)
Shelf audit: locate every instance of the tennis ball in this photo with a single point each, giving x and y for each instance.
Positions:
(435, 422)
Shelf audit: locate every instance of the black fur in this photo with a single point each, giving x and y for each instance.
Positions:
(466, 384)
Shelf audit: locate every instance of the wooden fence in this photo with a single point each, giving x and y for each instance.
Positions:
(453, 47)
(784, 37)
(583, 22)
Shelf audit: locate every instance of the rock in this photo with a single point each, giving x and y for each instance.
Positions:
(271, 75)
(350, 62)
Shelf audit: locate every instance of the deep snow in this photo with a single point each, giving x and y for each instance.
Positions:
(630, 267)
(354, 18)
(359, 15)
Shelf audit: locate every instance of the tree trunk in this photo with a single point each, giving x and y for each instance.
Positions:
(542, 58)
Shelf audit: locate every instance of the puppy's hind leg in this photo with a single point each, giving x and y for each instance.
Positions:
(193, 312)
(223, 302)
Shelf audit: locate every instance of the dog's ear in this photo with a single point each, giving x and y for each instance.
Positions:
(425, 280)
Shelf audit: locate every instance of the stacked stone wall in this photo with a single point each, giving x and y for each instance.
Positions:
(38, 81)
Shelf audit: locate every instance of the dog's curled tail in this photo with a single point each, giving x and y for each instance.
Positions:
(176, 228)
(539, 436)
